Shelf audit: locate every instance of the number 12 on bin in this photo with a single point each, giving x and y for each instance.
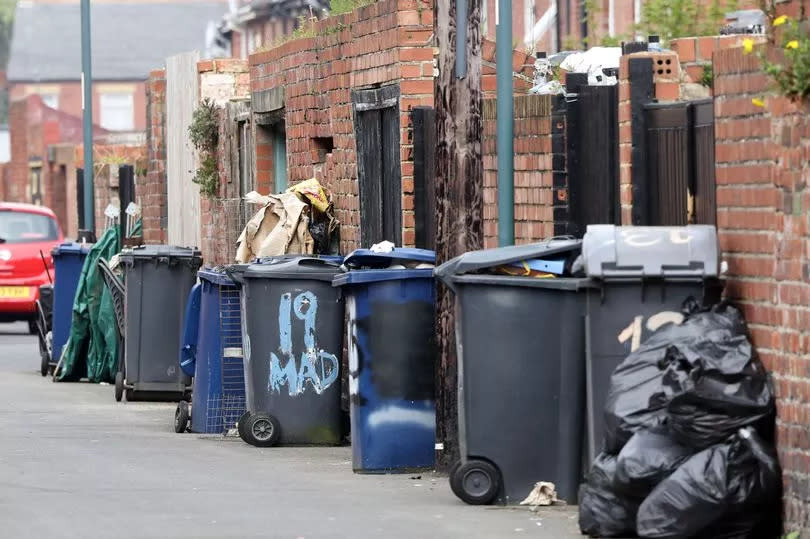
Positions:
(633, 332)
(317, 367)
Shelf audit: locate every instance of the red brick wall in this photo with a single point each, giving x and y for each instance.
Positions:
(763, 169)
(534, 193)
(695, 53)
(386, 42)
(151, 193)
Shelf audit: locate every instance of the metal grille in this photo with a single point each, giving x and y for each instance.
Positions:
(224, 409)
(235, 211)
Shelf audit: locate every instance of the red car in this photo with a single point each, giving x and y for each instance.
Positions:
(27, 234)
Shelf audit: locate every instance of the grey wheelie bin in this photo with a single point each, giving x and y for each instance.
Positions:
(521, 363)
(641, 277)
(292, 339)
(158, 280)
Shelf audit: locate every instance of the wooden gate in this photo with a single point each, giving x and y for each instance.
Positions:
(680, 163)
(376, 127)
(592, 154)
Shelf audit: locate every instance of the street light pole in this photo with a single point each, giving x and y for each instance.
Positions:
(505, 123)
(87, 118)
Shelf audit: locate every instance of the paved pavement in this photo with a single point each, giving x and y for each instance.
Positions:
(74, 463)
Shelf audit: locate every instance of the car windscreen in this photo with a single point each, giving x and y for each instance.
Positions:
(25, 227)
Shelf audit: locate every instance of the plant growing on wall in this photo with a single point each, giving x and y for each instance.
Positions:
(204, 136)
(787, 60)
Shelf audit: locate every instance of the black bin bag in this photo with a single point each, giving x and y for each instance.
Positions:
(644, 383)
(602, 511)
(719, 397)
(647, 459)
(728, 490)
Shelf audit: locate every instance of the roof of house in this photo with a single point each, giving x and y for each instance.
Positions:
(128, 39)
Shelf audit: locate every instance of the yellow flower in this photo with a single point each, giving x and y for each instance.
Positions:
(758, 102)
(780, 20)
(748, 46)
(792, 44)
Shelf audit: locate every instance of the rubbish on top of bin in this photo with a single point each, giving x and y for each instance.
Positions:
(660, 251)
(383, 247)
(301, 220)
(544, 255)
(396, 258)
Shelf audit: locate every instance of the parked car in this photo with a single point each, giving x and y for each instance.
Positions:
(27, 235)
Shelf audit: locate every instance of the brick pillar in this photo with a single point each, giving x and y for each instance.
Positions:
(152, 193)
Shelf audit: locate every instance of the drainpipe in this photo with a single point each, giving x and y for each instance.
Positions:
(612, 18)
(87, 118)
(505, 122)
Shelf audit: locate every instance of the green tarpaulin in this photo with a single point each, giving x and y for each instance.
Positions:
(92, 349)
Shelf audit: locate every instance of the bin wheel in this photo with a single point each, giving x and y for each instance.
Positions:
(181, 417)
(455, 486)
(477, 482)
(45, 362)
(119, 386)
(262, 430)
(129, 394)
(240, 425)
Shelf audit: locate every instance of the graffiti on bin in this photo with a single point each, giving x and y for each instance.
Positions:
(634, 332)
(402, 347)
(646, 237)
(317, 369)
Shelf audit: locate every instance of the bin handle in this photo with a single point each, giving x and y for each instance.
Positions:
(236, 275)
(560, 238)
(317, 262)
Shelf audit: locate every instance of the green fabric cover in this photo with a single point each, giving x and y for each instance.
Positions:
(92, 348)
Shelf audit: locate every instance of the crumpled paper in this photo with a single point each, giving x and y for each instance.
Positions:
(279, 227)
(543, 493)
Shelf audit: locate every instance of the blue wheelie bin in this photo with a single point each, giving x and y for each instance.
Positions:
(392, 349)
(212, 353)
(68, 260)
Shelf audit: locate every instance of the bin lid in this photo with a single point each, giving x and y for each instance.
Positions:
(71, 248)
(275, 259)
(215, 276)
(378, 275)
(490, 258)
(650, 251)
(372, 259)
(301, 267)
(143, 252)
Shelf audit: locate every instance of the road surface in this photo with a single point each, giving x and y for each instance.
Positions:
(74, 463)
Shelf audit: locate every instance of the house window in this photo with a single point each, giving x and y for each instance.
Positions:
(117, 112)
(50, 100)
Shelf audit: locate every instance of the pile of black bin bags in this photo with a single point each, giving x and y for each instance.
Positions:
(688, 449)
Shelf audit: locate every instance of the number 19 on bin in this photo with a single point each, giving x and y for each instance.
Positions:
(318, 368)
